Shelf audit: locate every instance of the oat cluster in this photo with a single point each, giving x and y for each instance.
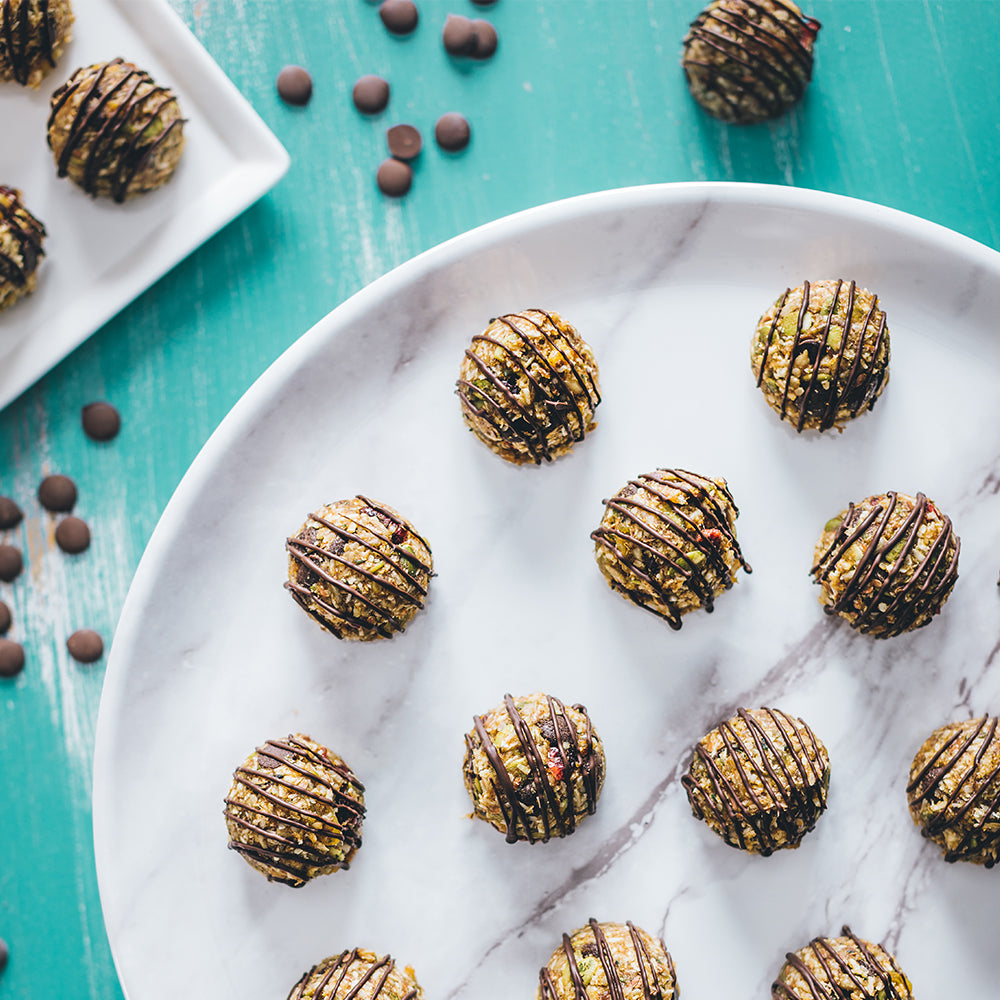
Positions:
(21, 237)
(33, 35)
(357, 975)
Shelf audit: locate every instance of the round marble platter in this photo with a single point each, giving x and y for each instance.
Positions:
(666, 282)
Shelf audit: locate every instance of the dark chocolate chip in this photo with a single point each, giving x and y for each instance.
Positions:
(57, 493)
(4, 954)
(459, 36)
(295, 85)
(10, 514)
(5, 618)
(404, 141)
(73, 535)
(399, 16)
(11, 563)
(486, 39)
(452, 132)
(11, 658)
(394, 177)
(484, 3)
(101, 421)
(371, 94)
(85, 646)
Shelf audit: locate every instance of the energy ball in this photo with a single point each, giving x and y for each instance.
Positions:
(759, 780)
(357, 974)
(954, 790)
(608, 962)
(115, 132)
(21, 236)
(667, 542)
(529, 386)
(821, 354)
(845, 968)
(533, 767)
(33, 34)
(359, 568)
(887, 564)
(749, 61)
(294, 811)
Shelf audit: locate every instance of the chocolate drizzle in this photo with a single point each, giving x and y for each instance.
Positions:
(884, 600)
(26, 231)
(333, 817)
(850, 389)
(562, 765)
(553, 403)
(836, 963)
(757, 64)
(616, 986)
(329, 980)
(22, 43)
(116, 109)
(769, 797)
(402, 577)
(678, 547)
(978, 839)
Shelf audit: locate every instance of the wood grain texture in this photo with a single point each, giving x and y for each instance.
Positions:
(580, 96)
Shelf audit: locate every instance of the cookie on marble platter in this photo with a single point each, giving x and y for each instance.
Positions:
(21, 238)
(357, 974)
(33, 35)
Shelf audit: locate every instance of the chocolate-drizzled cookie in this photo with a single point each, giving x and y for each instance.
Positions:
(759, 780)
(529, 386)
(33, 34)
(608, 962)
(357, 974)
(954, 790)
(842, 968)
(820, 354)
(667, 542)
(887, 564)
(114, 131)
(359, 568)
(748, 61)
(295, 810)
(21, 236)
(533, 767)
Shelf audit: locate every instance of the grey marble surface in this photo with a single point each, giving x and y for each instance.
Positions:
(212, 657)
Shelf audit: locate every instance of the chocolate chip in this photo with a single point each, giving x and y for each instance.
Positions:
(486, 39)
(101, 421)
(5, 618)
(57, 493)
(85, 646)
(404, 141)
(459, 36)
(73, 535)
(10, 514)
(4, 954)
(11, 563)
(452, 132)
(399, 16)
(371, 94)
(295, 85)
(484, 3)
(394, 177)
(11, 658)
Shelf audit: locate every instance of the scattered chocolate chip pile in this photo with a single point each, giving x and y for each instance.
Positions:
(11, 563)
(452, 132)
(295, 85)
(85, 646)
(399, 16)
(101, 421)
(371, 94)
(57, 494)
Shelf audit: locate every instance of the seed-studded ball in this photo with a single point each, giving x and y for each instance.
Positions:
(21, 236)
(667, 542)
(529, 386)
(357, 974)
(845, 968)
(608, 962)
(954, 790)
(533, 767)
(759, 780)
(359, 568)
(33, 34)
(749, 60)
(114, 131)
(887, 564)
(821, 354)
(294, 810)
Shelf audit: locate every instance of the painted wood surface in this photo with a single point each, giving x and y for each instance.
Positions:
(581, 96)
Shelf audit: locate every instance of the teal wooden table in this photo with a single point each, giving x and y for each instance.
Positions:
(581, 95)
